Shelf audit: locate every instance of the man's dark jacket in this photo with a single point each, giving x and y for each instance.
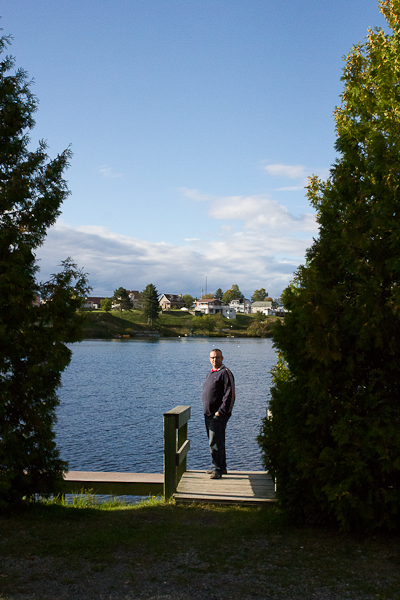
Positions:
(219, 392)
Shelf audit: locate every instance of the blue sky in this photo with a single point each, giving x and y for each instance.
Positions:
(194, 125)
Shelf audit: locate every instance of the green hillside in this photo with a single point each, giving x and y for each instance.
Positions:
(99, 324)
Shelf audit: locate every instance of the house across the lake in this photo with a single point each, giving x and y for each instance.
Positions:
(171, 301)
(264, 307)
(213, 306)
(93, 302)
(241, 305)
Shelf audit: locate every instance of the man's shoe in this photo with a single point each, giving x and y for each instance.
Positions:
(216, 475)
(223, 472)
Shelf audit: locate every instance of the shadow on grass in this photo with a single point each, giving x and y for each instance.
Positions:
(188, 545)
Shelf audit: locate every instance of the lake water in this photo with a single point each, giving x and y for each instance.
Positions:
(115, 392)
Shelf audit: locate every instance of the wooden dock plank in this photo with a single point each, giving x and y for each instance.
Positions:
(113, 483)
(237, 487)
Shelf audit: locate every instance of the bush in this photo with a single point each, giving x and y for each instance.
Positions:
(332, 437)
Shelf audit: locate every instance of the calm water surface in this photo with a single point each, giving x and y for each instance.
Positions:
(115, 392)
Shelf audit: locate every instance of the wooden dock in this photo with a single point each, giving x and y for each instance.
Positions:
(114, 484)
(237, 487)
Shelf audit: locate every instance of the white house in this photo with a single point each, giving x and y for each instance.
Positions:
(264, 307)
(213, 306)
(241, 305)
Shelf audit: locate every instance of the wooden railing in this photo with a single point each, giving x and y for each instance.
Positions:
(176, 447)
(113, 484)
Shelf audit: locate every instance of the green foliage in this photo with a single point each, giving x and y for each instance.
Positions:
(106, 304)
(259, 316)
(231, 294)
(204, 323)
(208, 323)
(189, 324)
(287, 293)
(259, 295)
(260, 327)
(333, 440)
(188, 300)
(121, 300)
(219, 294)
(33, 353)
(195, 324)
(149, 299)
(219, 322)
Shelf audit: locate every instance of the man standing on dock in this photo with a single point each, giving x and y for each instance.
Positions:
(218, 399)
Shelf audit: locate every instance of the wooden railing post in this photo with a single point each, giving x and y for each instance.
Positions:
(169, 455)
(182, 438)
(176, 446)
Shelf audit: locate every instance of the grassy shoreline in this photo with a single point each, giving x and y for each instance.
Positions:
(159, 550)
(99, 324)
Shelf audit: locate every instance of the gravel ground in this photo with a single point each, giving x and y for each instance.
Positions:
(182, 578)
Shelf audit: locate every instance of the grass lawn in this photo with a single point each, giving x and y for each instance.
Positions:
(159, 550)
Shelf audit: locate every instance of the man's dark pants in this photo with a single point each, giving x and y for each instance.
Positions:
(216, 437)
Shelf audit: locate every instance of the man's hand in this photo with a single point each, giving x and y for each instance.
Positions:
(217, 414)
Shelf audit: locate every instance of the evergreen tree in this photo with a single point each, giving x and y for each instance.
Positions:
(333, 437)
(121, 300)
(151, 307)
(219, 294)
(35, 319)
(106, 304)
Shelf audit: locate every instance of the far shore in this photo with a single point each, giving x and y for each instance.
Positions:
(108, 325)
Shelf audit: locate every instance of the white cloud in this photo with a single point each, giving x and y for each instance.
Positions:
(194, 194)
(299, 172)
(291, 188)
(108, 173)
(251, 257)
(260, 244)
(256, 212)
(289, 171)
